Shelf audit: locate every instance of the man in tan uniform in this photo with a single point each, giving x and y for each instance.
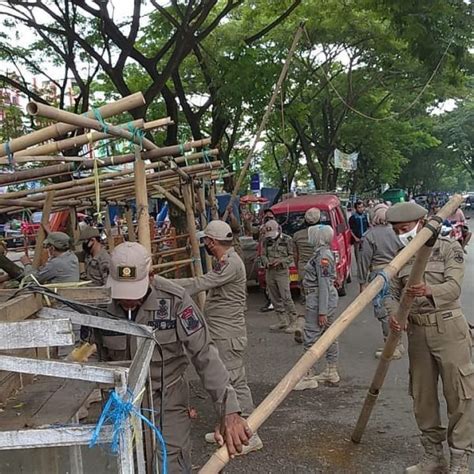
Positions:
(439, 345)
(183, 335)
(303, 251)
(95, 256)
(277, 256)
(224, 311)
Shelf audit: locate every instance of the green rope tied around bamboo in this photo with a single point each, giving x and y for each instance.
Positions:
(206, 155)
(136, 133)
(99, 118)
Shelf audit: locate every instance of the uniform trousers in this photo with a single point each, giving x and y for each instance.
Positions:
(443, 350)
(313, 331)
(231, 351)
(278, 284)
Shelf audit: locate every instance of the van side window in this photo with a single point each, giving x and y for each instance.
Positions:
(340, 221)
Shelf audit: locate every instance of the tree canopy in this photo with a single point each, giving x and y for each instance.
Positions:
(366, 77)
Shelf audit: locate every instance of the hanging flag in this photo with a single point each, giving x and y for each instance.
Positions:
(345, 161)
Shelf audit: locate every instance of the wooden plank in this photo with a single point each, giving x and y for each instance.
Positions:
(67, 370)
(99, 322)
(36, 333)
(52, 437)
(62, 404)
(140, 367)
(84, 294)
(20, 308)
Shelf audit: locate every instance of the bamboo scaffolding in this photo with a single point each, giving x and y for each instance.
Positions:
(132, 237)
(80, 121)
(59, 129)
(82, 181)
(221, 457)
(24, 176)
(35, 108)
(192, 170)
(170, 197)
(84, 139)
(416, 276)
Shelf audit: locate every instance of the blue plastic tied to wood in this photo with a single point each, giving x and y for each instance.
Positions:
(116, 412)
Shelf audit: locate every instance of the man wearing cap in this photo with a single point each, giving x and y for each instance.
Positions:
(95, 256)
(303, 251)
(226, 285)
(183, 335)
(379, 246)
(277, 256)
(62, 265)
(439, 345)
(268, 215)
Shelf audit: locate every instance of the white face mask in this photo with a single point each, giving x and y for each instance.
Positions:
(407, 237)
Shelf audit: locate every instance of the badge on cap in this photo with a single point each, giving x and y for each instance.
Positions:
(127, 273)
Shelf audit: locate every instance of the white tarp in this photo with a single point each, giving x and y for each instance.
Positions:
(345, 161)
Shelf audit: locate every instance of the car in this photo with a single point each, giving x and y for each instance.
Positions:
(290, 215)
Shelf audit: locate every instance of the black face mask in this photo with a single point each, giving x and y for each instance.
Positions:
(86, 248)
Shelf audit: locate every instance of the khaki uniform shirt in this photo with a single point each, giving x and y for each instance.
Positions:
(303, 249)
(182, 334)
(320, 274)
(227, 291)
(61, 269)
(444, 274)
(97, 268)
(279, 251)
(379, 246)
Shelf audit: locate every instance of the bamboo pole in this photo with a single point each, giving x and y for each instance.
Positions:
(416, 276)
(201, 199)
(195, 252)
(108, 229)
(265, 118)
(130, 227)
(80, 121)
(47, 206)
(171, 264)
(43, 158)
(73, 223)
(221, 457)
(67, 168)
(213, 202)
(170, 197)
(141, 196)
(59, 129)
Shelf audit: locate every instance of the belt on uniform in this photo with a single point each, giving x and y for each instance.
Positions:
(433, 319)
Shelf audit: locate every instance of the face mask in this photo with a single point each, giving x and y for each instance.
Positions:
(407, 237)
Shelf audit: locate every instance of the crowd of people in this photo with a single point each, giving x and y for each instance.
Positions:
(214, 339)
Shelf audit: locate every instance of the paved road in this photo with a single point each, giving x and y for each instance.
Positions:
(310, 431)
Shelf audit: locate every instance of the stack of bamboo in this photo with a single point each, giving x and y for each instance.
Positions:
(166, 172)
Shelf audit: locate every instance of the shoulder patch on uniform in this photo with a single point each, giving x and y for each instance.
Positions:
(190, 320)
(459, 256)
(220, 266)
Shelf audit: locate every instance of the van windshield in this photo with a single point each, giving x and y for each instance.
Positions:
(294, 221)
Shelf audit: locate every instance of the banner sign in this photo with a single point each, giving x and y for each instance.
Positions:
(345, 161)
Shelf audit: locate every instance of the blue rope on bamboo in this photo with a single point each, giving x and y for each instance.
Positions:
(99, 118)
(136, 133)
(116, 412)
(384, 292)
